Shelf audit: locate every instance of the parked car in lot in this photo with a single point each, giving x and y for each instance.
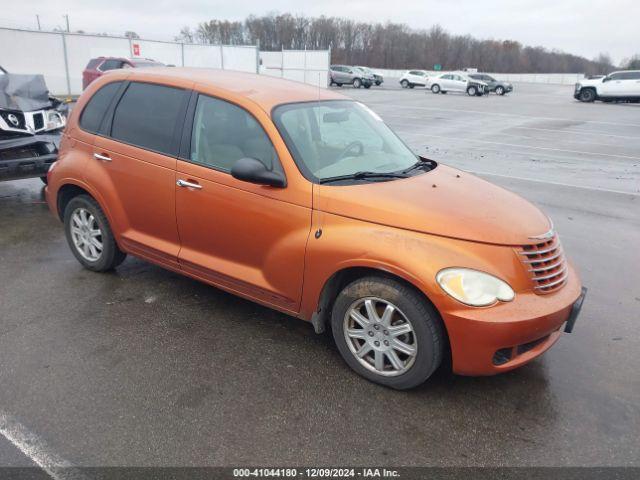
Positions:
(98, 66)
(414, 78)
(497, 86)
(457, 82)
(377, 78)
(259, 186)
(617, 86)
(30, 125)
(345, 75)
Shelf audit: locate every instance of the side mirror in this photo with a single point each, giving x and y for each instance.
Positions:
(254, 171)
(606, 79)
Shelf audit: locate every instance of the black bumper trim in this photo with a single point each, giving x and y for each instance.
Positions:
(575, 311)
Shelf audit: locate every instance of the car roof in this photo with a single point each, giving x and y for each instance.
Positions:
(263, 90)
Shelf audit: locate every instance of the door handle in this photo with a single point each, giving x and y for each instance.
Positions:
(184, 183)
(104, 158)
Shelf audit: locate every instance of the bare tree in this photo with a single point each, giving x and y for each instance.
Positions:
(393, 45)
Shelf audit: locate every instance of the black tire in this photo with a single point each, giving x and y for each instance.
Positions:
(500, 91)
(339, 84)
(587, 95)
(111, 255)
(357, 83)
(44, 180)
(472, 91)
(425, 320)
(443, 92)
(435, 88)
(378, 84)
(367, 85)
(404, 83)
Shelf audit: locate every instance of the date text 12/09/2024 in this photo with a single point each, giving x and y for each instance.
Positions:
(315, 473)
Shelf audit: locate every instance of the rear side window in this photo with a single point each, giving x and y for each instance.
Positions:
(146, 117)
(98, 105)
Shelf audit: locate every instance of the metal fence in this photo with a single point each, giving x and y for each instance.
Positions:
(61, 57)
(308, 66)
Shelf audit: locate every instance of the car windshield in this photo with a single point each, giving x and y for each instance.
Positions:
(340, 137)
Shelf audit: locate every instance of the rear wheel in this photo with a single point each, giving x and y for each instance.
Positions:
(404, 83)
(587, 95)
(89, 235)
(435, 88)
(357, 83)
(387, 332)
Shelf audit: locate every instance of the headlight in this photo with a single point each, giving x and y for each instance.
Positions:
(474, 288)
(54, 121)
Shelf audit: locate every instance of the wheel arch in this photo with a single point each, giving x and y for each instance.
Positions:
(321, 317)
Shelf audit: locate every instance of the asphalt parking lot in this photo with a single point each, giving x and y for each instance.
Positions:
(144, 367)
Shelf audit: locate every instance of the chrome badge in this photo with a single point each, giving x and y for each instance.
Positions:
(13, 119)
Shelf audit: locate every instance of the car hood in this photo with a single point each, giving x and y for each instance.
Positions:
(590, 82)
(445, 202)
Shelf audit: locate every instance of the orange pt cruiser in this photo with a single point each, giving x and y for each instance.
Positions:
(305, 201)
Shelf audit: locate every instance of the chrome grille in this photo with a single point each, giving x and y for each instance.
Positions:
(546, 264)
(38, 121)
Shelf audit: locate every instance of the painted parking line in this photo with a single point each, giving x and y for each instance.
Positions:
(502, 114)
(36, 449)
(517, 145)
(560, 184)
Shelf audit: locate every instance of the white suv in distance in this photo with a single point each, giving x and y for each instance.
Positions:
(457, 82)
(617, 86)
(413, 78)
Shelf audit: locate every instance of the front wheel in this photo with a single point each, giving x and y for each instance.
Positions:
(387, 332)
(500, 90)
(404, 83)
(587, 95)
(89, 235)
(357, 83)
(367, 85)
(472, 91)
(435, 88)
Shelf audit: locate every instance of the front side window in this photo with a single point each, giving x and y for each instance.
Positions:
(94, 111)
(146, 117)
(223, 133)
(336, 138)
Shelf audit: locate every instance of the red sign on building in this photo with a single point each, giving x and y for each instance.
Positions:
(136, 50)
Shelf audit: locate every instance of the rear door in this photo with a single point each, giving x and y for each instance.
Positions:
(134, 164)
(246, 238)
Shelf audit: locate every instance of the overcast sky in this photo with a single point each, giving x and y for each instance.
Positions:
(583, 27)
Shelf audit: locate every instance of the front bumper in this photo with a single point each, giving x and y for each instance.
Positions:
(27, 157)
(487, 341)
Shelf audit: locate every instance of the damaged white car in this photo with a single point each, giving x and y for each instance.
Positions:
(31, 122)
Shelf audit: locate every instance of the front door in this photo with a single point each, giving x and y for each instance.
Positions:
(245, 238)
(614, 85)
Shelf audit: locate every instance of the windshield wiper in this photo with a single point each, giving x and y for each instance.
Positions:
(363, 176)
(420, 164)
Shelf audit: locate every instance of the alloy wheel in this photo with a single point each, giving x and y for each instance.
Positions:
(380, 336)
(86, 234)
